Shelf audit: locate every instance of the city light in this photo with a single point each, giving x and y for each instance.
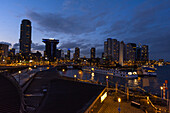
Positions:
(75, 76)
(107, 77)
(19, 72)
(119, 100)
(161, 88)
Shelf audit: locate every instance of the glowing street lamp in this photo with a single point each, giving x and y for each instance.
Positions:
(161, 90)
(75, 76)
(19, 77)
(107, 81)
(119, 100)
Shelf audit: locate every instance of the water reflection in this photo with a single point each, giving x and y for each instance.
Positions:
(80, 72)
(154, 83)
(92, 76)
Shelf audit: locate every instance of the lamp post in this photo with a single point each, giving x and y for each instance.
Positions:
(19, 77)
(107, 82)
(75, 76)
(119, 100)
(161, 91)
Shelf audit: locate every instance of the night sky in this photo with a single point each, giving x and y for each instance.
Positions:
(88, 23)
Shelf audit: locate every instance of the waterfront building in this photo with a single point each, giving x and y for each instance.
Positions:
(93, 53)
(25, 37)
(62, 54)
(50, 48)
(131, 52)
(3, 51)
(58, 53)
(105, 49)
(68, 54)
(11, 53)
(144, 53)
(121, 53)
(115, 50)
(109, 48)
(138, 53)
(77, 53)
(36, 56)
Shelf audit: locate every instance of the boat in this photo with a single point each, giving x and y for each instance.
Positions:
(112, 72)
(160, 63)
(148, 71)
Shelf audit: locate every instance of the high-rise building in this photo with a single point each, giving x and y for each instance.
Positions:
(93, 53)
(25, 37)
(58, 53)
(77, 53)
(11, 53)
(145, 53)
(138, 54)
(3, 51)
(115, 50)
(121, 53)
(105, 49)
(131, 52)
(50, 48)
(109, 48)
(68, 54)
(62, 54)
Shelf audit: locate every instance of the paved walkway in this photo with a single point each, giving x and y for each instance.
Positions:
(111, 106)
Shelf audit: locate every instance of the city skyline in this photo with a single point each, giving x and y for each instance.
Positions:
(73, 28)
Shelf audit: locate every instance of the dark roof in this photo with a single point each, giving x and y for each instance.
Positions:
(66, 96)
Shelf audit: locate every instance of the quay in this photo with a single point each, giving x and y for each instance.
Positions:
(48, 92)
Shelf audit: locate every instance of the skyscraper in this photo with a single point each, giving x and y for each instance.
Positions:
(77, 53)
(50, 48)
(121, 53)
(25, 37)
(138, 53)
(109, 48)
(105, 49)
(145, 53)
(131, 52)
(115, 49)
(93, 53)
(68, 54)
(3, 51)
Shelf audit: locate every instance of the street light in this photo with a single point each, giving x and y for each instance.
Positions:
(75, 76)
(107, 82)
(19, 77)
(161, 90)
(119, 100)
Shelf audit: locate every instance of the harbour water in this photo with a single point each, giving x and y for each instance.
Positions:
(151, 84)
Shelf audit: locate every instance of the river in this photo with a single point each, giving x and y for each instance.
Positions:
(153, 83)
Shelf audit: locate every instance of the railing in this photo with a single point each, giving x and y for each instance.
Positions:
(90, 107)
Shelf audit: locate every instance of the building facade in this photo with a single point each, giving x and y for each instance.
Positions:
(131, 52)
(144, 53)
(50, 48)
(105, 49)
(77, 53)
(3, 51)
(93, 53)
(25, 37)
(68, 54)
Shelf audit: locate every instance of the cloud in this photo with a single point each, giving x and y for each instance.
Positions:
(7, 43)
(38, 47)
(16, 45)
(149, 25)
(50, 22)
(84, 47)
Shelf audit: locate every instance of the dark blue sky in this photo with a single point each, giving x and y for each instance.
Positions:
(88, 23)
